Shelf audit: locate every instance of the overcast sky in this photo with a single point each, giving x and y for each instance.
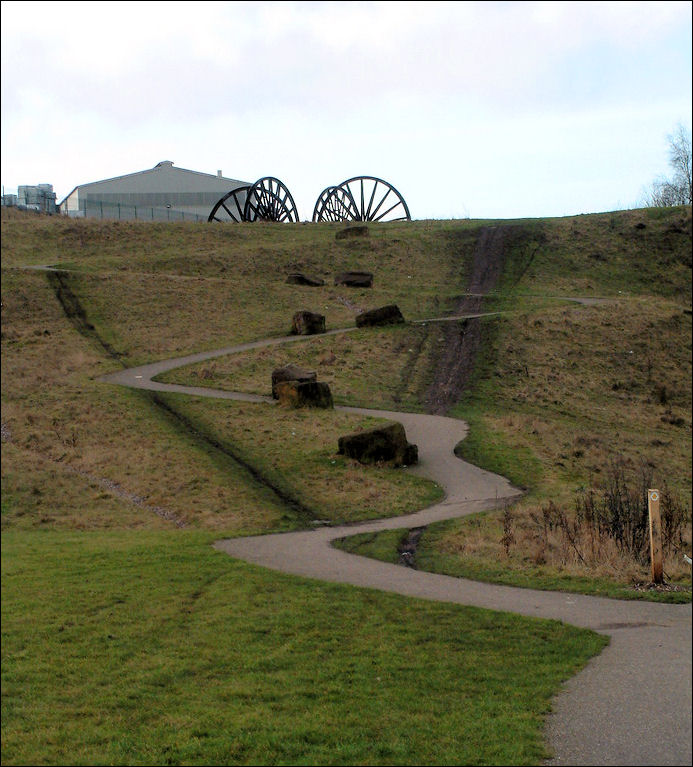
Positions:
(470, 109)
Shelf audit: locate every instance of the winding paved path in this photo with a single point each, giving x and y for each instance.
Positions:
(632, 703)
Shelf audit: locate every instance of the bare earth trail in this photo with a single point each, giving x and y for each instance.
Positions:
(630, 706)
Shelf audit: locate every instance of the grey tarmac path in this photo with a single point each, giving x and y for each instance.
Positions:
(631, 705)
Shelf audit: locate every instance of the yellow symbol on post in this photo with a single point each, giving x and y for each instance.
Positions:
(654, 495)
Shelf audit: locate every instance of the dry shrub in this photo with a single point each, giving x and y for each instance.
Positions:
(607, 532)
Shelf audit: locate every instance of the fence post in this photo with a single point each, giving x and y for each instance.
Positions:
(655, 536)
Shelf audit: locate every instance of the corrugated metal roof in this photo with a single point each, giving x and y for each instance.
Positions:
(219, 181)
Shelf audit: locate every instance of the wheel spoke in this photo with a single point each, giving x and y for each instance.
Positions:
(382, 215)
(234, 199)
(270, 200)
(340, 203)
(368, 216)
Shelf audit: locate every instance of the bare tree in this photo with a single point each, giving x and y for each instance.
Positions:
(680, 161)
(677, 190)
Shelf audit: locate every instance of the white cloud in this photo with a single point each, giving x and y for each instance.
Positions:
(419, 93)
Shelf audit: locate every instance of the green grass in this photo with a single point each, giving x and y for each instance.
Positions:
(384, 367)
(211, 283)
(561, 391)
(382, 545)
(295, 451)
(624, 253)
(562, 394)
(127, 639)
(152, 648)
(433, 555)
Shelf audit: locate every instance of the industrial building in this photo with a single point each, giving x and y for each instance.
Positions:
(40, 198)
(163, 192)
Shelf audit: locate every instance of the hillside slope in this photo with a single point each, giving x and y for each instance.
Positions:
(141, 292)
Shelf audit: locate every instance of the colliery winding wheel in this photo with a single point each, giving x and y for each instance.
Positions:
(267, 199)
(362, 198)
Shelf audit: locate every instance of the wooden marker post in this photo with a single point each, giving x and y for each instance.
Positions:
(655, 536)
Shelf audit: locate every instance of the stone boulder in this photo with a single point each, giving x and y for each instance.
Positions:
(304, 394)
(385, 315)
(307, 323)
(383, 444)
(352, 231)
(354, 279)
(297, 278)
(291, 373)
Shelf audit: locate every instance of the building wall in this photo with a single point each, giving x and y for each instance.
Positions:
(40, 197)
(162, 187)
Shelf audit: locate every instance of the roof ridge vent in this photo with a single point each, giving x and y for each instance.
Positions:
(164, 163)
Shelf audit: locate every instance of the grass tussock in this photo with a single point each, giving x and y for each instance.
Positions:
(600, 543)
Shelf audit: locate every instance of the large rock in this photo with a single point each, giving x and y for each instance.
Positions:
(354, 279)
(297, 278)
(352, 231)
(307, 323)
(385, 315)
(291, 373)
(382, 444)
(304, 394)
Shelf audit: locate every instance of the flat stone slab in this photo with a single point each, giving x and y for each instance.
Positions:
(304, 394)
(291, 373)
(306, 323)
(383, 444)
(384, 315)
(354, 279)
(351, 232)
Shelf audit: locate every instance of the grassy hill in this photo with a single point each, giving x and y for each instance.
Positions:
(126, 639)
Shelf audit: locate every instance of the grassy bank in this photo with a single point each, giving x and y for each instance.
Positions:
(569, 399)
(128, 640)
(151, 648)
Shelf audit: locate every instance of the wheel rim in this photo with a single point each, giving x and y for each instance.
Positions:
(334, 204)
(230, 206)
(269, 200)
(367, 198)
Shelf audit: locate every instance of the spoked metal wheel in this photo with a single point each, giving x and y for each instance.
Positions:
(231, 206)
(333, 205)
(269, 200)
(364, 198)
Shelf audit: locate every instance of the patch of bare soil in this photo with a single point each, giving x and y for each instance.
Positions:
(408, 546)
(462, 339)
(461, 342)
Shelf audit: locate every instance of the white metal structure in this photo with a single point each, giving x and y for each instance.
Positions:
(161, 192)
